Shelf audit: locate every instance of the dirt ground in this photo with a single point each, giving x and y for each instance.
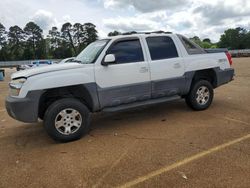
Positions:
(166, 145)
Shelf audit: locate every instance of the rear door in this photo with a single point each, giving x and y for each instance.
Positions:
(166, 67)
(128, 79)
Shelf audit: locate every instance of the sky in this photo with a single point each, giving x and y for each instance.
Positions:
(203, 18)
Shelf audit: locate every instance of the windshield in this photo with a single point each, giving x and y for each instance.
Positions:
(91, 52)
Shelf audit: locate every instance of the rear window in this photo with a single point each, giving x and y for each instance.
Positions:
(191, 47)
(161, 47)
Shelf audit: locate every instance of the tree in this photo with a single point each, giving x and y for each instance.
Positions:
(90, 33)
(54, 38)
(205, 43)
(3, 43)
(16, 38)
(67, 35)
(3, 36)
(54, 42)
(246, 40)
(28, 43)
(206, 40)
(233, 39)
(16, 35)
(79, 36)
(196, 39)
(114, 33)
(34, 39)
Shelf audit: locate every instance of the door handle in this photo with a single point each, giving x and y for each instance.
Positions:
(143, 69)
(177, 65)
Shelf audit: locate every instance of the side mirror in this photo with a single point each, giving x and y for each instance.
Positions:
(109, 58)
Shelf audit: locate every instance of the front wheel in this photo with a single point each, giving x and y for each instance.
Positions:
(67, 120)
(200, 96)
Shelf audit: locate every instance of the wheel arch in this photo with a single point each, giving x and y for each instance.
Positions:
(86, 93)
(206, 74)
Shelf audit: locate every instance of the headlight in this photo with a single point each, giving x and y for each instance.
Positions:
(16, 85)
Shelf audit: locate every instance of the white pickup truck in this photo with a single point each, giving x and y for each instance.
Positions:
(114, 74)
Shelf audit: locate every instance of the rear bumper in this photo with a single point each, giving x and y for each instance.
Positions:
(224, 76)
(24, 109)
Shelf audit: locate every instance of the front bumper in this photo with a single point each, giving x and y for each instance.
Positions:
(24, 109)
(224, 76)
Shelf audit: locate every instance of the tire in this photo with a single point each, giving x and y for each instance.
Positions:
(200, 96)
(67, 120)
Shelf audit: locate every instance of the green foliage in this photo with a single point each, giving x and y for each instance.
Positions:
(79, 36)
(205, 43)
(67, 33)
(34, 40)
(238, 38)
(3, 42)
(114, 33)
(90, 33)
(16, 38)
(29, 43)
(206, 40)
(54, 38)
(3, 36)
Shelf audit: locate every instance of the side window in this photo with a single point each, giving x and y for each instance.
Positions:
(128, 51)
(161, 47)
(191, 47)
(188, 44)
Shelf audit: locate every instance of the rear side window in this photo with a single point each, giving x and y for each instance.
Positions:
(128, 51)
(191, 47)
(161, 47)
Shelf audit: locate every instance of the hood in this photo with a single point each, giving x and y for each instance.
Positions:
(45, 69)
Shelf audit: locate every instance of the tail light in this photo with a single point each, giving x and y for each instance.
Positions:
(229, 57)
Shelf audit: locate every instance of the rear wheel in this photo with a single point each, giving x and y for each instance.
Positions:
(67, 120)
(200, 96)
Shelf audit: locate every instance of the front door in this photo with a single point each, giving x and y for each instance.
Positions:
(128, 79)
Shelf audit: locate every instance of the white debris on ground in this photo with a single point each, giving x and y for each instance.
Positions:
(183, 175)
